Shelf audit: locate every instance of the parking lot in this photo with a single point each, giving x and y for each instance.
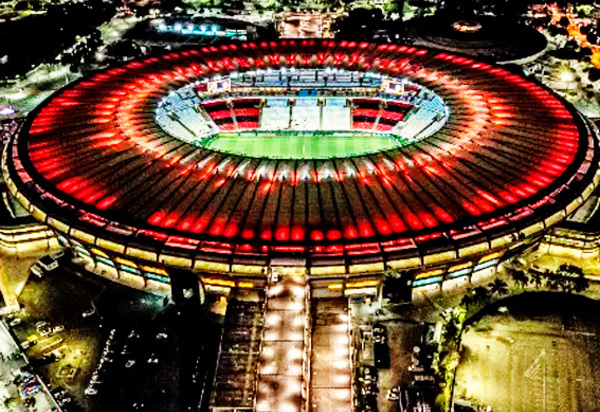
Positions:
(90, 339)
(61, 343)
(20, 387)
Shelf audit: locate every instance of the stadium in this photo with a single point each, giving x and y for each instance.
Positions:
(334, 159)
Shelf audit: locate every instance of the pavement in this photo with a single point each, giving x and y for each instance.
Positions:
(403, 333)
(14, 273)
(12, 364)
(60, 299)
(331, 380)
(282, 369)
(532, 362)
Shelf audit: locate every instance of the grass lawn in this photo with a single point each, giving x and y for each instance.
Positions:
(290, 146)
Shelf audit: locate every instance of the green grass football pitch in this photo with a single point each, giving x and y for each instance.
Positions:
(300, 146)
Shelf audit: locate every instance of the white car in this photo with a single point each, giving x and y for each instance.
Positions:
(57, 255)
(42, 324)
(45, 331)
(48, 263)
(44, 265)
(37, 270)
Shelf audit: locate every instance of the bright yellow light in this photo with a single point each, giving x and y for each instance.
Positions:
(99, 252)
(461, 266)
(429, 273)
(490, 257)
(219, 282)
(125, 262)
(362, 284)
(157, 271)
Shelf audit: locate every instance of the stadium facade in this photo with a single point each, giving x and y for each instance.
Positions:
(334, 159)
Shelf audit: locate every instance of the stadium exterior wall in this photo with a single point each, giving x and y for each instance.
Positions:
(143, 262)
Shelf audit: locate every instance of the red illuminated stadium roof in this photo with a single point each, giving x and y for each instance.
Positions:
(512, 154)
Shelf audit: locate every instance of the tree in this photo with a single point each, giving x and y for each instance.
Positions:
(559, 280)
(573, 278)
(447, 357)
(519, 276)
(481, 295)
(537, 279)
(467, 300)
(498, 286)
(394, 7)
(11, 403)
(453, 323)
(570, 270)
(580, 284)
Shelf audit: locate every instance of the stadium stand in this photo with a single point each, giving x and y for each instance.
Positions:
(93, 163)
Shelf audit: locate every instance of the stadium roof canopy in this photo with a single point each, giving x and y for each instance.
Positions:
(512, 159)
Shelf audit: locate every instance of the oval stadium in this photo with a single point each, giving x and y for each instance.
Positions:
(335, 159)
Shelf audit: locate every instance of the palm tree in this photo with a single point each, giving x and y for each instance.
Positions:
(481, 295)
(498, 286)
(558, 281)
(570, 270)
(453, 324)
(574, 278)
(580, 283)
(537, 279)
(467, 300)
(519, 276)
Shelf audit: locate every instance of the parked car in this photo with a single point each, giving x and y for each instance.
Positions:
(26, 345)
(44, 265)
(42, 324)
(57, 255)
(48, 263)
(37, 270)
(393, 394)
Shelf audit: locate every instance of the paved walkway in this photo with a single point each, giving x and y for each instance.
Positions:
(282, 366)
(331, 381)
